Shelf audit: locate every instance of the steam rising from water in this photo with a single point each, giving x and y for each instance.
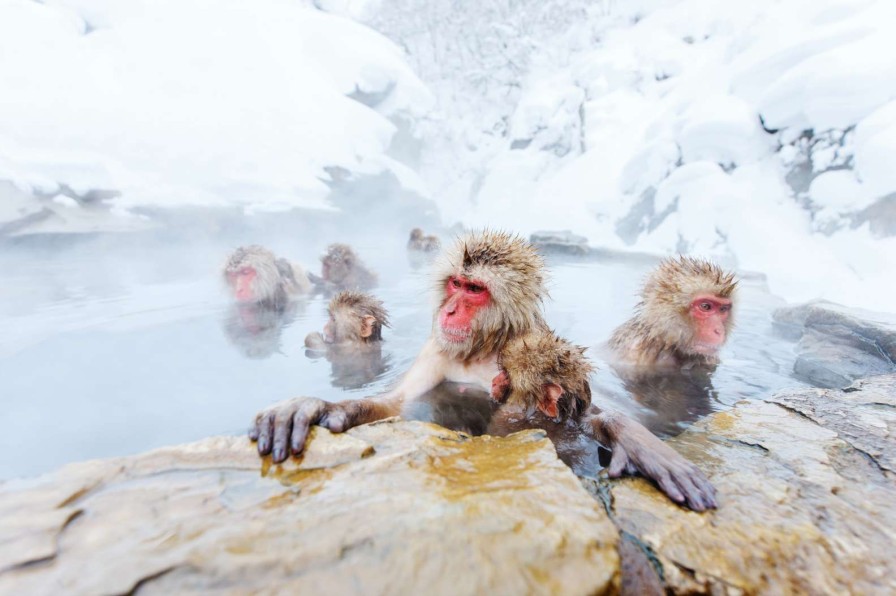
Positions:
(118, 343)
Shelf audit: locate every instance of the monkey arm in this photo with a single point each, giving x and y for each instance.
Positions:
(287, 423)
(636, 449)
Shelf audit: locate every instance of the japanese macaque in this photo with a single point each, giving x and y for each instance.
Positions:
(421, 243)
(341, 269)
(544, 371)
(490, 287)
(684, 317)
(256, 276)
(352, 339)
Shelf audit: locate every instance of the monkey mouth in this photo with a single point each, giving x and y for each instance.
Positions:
(456, 335)
(706, 349)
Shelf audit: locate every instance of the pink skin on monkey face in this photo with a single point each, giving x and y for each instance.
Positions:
(709, 314)
(243, 282)
(464, 299)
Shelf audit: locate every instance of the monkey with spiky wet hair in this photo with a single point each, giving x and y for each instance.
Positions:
(355, 319)
(352, 339)
(545, 371)
(684, 317)
(490, 288)
(256, 276)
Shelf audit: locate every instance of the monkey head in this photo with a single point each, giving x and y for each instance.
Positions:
(255, 275)
(543, 370)
(355, 318)
(416, 235)
(688, 305)
(490, 289)
(337, 263)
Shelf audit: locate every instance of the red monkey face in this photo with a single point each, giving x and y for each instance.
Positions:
(243, 283)
(709, 315)
(464, 298)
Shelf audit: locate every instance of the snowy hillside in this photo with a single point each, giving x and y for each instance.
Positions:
(164, 103)
(763, 133)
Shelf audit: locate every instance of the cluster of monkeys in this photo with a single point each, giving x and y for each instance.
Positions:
(489, 333)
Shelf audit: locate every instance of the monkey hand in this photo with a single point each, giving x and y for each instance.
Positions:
(636, 449)
(286, 424)
(500, 386)
(315, 341)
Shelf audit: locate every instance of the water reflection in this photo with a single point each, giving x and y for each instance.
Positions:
(672, 398)
(256, 329)
(352, 366)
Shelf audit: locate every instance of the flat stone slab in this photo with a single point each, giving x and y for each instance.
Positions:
(393, 507)
(807, 494)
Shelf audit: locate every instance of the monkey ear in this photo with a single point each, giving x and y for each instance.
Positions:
(548, 403)
(367, 322)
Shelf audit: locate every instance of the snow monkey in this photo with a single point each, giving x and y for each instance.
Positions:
(490, 287)
(352, 339)
(422, 243)
(341, 269)
(543, 370)
(256, 276)
(684, 317)
(356, 320)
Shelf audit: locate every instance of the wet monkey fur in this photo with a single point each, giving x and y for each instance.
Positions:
(355, 319)
(544, 371)
(685, 316)
(489, 291)
(256, 276)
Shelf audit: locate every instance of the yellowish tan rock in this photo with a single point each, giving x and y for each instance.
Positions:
(806, 498)
(396, 507)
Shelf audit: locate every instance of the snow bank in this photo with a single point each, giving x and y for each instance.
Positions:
(195, 103)
(761, 133)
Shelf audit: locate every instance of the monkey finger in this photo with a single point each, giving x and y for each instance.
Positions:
(310, 412)
(282, 431)
(706, 488)
(668, 486)
(619, 463)
(335, 420)
(253, 431)
(698, 492)
(265, 429)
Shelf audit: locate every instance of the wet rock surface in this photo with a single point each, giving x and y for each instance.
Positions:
(806, 481)
(391, 507)
(807, 488)
(837, 345)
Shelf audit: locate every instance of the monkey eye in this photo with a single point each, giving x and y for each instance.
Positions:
(475, 289)
(705, 306)
(725, 308)
(245, 271)
(455, 282)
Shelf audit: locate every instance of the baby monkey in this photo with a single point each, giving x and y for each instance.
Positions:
(356, 320)
(543, 370)
(352, 340)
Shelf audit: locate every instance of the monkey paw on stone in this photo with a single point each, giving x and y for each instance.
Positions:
(283, 428)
